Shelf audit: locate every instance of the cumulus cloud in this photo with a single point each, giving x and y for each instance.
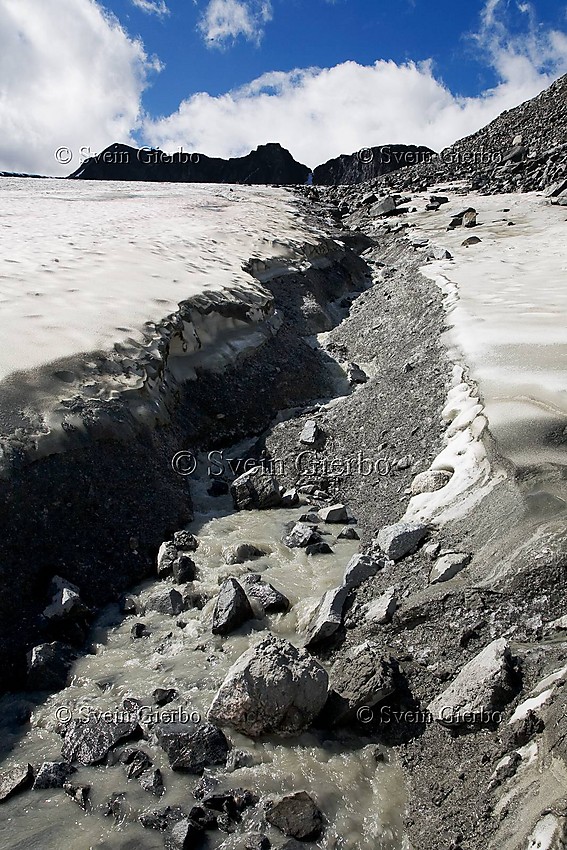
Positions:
(318, 113)
(69, 76)
(152, 7)
(223, 21)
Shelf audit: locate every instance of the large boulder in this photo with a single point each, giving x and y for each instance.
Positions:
(334, 514)
(328, 617)
(66, 602)
(232, 608)
(482, 687)
(15, 779)
(53, 774)
(242, 552)
(273, 688)
(166, 600)
(301, 535)
(447, 566)
(265, 595)
(360, 568)
(88, 742)
(401, 539)
(49, 666)
(361, 677)
(191, 750)
(296, 815)
(256, 490)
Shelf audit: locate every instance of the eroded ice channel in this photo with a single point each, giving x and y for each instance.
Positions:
(84, 265)
(363, 800)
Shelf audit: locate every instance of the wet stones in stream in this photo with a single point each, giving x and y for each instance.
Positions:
(273, 688)
(232, 608)
(14, 780)
(265, 595)
(256, 490)
(296, 815)
(53, 774)
(90, 741)
(242, 552)
(191, 750)
(49, 666)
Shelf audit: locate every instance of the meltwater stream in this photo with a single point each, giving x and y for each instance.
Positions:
(362, 800)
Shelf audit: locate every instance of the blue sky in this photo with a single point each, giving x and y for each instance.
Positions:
(304, 33)
(322, 77)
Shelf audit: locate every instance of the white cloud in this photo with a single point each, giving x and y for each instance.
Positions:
(319, 113)
(69, 76)
(223, 21)
(152, 7)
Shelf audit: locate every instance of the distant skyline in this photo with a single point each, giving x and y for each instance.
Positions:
(322, 77)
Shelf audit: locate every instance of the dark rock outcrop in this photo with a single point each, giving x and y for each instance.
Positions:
(368, 163)
(267, 164)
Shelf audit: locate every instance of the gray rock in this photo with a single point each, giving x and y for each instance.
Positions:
(184, 569)
(270, 600)
(381, 610)
(242, 552)
(430, 481)
(161, 819)
(469, 218)
(384, 207)
(15, 779)
(348, 533)
(356, 375)
(163, 696)
(256, 490)
(328, 617)
(439, 199)
(152, 782)
(459, 219)
(166, 556)
(191, 750)
(166, 600)
(311, 434)
(290, 498)
(296, 815)
(49, 666)
(401, 539)
(471, 240)
(139, 630)
(232, 608)
(318, 549)
(301, 536)
(78, 793)
(66, 602)
(447, 566)
(361, 677)
(360, 568)
(88, 742)
(184, 541)
(437, 252)
(480, 689)
(273, 688)
(334, 514)
(53, 774)
(184, 835)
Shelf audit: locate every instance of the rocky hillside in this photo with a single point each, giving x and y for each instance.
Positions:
(267, 164)
(524, 149)
(348, 169)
